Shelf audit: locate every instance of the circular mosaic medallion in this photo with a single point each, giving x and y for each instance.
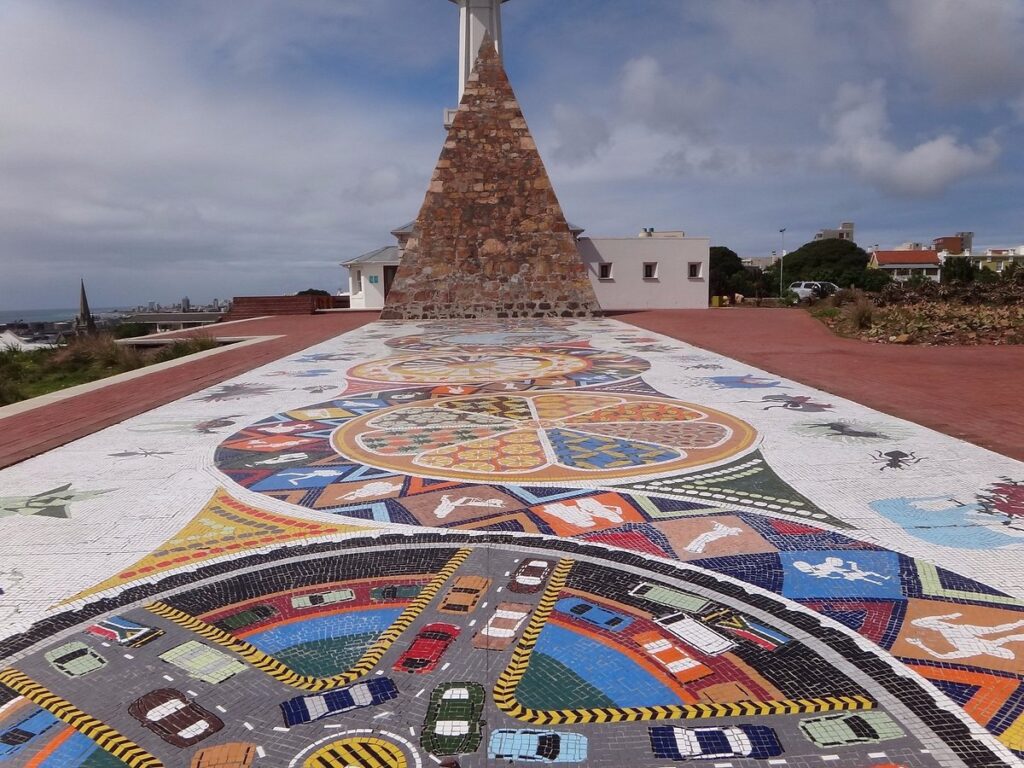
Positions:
(537, 437)
(495, 338)
(563, 369)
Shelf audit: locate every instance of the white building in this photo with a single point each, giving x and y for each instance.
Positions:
(657, 270)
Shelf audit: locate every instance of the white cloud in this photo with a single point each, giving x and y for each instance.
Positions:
(676, 105)
(859, 129)
(579, 135)
(969, 49)
(120, 157)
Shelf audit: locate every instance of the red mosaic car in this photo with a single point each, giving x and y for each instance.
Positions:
(427, 648)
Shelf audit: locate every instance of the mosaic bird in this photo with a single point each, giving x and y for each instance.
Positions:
(52, 503)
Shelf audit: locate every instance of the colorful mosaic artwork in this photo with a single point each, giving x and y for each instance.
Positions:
(546, 541)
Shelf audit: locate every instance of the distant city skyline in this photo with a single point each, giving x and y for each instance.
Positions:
(251, 148)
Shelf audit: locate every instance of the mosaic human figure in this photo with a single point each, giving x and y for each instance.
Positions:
(298, 477)
(370, 490)
(584, 512)
(718, 531)
(837, 568)
(969, 640)
(285, 458)
(449, 505)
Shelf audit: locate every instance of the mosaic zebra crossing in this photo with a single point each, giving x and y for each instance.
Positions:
(483, 542)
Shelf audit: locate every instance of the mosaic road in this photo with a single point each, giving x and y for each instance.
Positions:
(483, 543)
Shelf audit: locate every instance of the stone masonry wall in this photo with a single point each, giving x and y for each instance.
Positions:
(491, 239)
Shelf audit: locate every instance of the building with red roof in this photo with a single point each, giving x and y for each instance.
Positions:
(902, 265)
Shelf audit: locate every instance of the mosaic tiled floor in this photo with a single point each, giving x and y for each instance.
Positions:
(553, 541)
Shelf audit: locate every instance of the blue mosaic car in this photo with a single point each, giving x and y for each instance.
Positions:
(537, 746)
(581, 609)
(14, 739)
(306, 709)
(754, 741)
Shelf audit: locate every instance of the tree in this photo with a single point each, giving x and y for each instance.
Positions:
(313, 292)
(835, 261)
(959, 269)
(723, 265)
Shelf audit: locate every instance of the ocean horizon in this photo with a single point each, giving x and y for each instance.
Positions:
(47, 315)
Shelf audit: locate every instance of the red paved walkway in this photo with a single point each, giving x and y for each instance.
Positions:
(42, 429)
(973, 393)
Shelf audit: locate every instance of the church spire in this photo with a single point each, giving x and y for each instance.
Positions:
(84, 323)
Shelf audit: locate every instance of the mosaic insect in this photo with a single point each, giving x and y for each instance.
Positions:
(895, 459)
(209, 427)
(844, 429)
(235, 392)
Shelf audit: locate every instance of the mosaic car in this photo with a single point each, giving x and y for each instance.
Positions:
(464, 595)
(500, 631)
(845, 728)
(203, 662)
(175, 719)
(426, 649)
(529, 576)
(246, 618)
(682, 665)
(234, 755)
(542, 746)
(395, 592)
(581, 609)
(14, 739)
(124, 631)
(75, 659)
(306, 709)
(316, 599)
(453, 723)
(673, 598)
(695, 634)
(754, 741)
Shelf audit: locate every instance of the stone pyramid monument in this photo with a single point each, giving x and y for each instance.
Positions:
(491, 239)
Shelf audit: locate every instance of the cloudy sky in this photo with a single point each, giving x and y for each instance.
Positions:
(162, 148)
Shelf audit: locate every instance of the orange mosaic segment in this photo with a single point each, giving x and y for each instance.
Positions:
(517, 451)
(642, 412)
(566, 406)
(534, 437)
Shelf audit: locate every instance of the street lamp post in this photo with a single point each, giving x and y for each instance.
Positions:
(782, 257)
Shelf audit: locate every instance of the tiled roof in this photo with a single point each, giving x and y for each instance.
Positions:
(892, 258)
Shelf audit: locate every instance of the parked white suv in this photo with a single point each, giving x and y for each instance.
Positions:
(813, 289)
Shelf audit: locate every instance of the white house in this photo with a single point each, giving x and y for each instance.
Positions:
(657, 270)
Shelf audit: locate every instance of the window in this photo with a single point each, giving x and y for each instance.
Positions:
(695, 270)
(650, 270)
(604, 271)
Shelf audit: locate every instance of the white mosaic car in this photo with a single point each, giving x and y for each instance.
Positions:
(203, 662)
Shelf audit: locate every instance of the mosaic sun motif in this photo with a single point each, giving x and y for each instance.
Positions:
(531, 437)
(562, 369)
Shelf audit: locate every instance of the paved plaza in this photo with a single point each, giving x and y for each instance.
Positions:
(569, 541)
